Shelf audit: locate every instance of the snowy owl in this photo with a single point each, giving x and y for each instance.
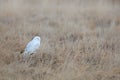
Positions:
(32, 46)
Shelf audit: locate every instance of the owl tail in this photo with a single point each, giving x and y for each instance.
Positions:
(24, 55)
(22, 52)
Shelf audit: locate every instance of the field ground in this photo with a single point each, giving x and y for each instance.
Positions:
(80, 39)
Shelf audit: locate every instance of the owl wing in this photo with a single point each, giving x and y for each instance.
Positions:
(29, 45)
(36, 45)
(32, 46)
(27, 49)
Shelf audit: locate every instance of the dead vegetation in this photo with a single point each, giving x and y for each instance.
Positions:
(80, 39)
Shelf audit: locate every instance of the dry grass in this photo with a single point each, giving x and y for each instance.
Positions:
(80, 39)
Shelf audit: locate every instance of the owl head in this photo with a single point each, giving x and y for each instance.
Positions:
(37, 38)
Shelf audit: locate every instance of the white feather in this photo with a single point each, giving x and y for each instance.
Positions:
(32, 46)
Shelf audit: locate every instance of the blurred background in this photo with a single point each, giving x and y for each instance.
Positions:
(80, 39)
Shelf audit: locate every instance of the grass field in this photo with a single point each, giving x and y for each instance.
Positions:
(80, 39)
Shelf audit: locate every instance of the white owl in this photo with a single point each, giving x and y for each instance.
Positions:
(32, 46)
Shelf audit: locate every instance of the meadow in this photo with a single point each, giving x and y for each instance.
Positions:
(80, 39)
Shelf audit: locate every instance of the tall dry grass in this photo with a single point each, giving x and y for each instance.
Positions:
(80, 39)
